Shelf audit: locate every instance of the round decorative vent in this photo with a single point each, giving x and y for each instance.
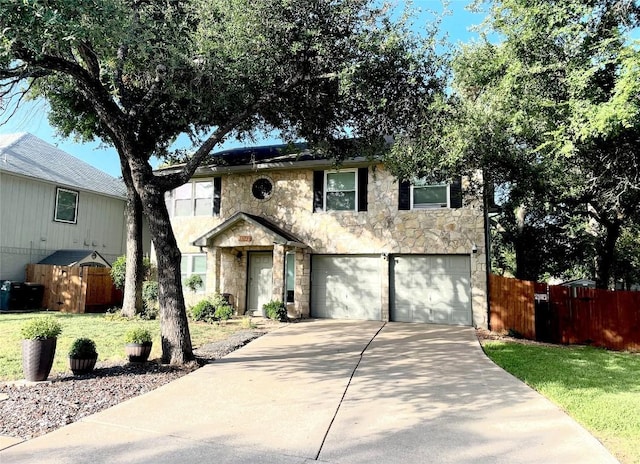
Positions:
(262, 188)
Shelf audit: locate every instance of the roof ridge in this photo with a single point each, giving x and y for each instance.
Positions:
(31, 156)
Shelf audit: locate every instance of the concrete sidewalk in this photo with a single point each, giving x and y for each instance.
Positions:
(336, 392)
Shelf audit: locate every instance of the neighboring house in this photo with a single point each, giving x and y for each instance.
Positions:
(50, 201)
(583, 283)
(352, 243)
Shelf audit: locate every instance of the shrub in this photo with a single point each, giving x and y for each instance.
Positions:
(193, 283)
(119, 270)
(203, 310)
(83, 348)
(223, 312)
(275, 310)
(211, 309)
(150, 299)
(137, 335)
(40, 328)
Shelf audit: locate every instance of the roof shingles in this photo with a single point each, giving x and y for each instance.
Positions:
(27, 155)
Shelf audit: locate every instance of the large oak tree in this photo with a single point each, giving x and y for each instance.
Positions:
(140, 73)
(546, 103)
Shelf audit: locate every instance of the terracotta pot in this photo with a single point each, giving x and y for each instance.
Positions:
(37, 358)
(138, 352)
(80, 366)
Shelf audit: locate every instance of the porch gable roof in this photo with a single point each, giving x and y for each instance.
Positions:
(281, 236)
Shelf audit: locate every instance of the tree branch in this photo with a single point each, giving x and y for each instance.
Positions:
(108, 111)
(170, 181)
(123, 51)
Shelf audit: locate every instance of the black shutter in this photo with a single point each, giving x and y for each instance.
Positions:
(318, 191)
(217, 195)
(455, 193)
(404, 195)
(363, 183)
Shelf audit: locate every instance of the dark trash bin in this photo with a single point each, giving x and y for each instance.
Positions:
(33, 294)
(12, 296)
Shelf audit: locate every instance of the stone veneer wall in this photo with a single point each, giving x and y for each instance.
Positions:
(381, 229)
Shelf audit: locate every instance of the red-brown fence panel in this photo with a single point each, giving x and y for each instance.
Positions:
(512, 305)
(567, 315)
(597, 317)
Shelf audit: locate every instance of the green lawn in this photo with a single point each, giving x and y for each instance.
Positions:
(108, 336)
(598, 388)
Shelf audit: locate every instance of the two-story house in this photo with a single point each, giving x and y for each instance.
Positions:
(353, 243)
(50, 201)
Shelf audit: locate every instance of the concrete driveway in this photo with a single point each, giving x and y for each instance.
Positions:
(333, 392)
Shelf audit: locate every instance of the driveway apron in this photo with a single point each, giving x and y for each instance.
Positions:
(331, 391)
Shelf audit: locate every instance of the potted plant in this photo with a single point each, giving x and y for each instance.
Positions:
(138, 344)
(40, 336)
(82, 356)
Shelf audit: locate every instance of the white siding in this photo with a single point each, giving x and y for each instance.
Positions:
(28, 232)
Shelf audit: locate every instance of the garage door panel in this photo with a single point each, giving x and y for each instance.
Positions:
(346, 287)
(433, 289)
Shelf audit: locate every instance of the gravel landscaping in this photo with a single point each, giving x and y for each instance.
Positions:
(31, 410)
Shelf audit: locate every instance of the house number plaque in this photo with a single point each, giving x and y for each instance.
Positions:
(244, 238)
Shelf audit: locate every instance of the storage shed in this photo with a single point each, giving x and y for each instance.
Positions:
(89, 258)
(75, 281)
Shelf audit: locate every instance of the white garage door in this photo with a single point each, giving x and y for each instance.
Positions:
(433, 289)
(346, 287)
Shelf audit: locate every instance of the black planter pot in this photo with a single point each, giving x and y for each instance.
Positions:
(81, 366)
(138, 352)
(37, 358)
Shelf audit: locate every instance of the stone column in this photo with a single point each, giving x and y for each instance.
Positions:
(303, 282)
(278, 272)
(214, 269)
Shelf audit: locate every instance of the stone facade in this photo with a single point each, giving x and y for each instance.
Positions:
(383, 230)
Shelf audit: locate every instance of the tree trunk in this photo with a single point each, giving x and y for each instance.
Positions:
(134, 273)
(134, 276)
(174, 326)
(606, 255)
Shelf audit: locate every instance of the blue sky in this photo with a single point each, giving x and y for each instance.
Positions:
(32, 116)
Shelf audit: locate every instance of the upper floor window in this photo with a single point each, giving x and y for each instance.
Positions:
(341, 191)
(422, 195)
(197, 198)
(344, 190)
(66, 206)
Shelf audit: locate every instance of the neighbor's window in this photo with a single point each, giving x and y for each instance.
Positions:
(194, 264)
(424, 195)
(341, 191)
(291, 275)
(192, 199)
(66, 206)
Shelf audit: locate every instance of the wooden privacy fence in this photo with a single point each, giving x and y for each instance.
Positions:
(566, 315)
(77, 289)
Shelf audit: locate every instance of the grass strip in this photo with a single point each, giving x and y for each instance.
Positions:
(107, 334)
(598, 388)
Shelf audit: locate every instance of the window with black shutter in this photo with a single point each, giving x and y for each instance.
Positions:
(344, 190)
(423, 195)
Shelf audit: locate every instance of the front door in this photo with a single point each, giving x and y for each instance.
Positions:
(260, 285)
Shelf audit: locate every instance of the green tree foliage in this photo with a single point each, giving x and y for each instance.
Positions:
(546, 104)
(139, 74)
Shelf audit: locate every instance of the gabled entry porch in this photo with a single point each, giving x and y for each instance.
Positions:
(253, 261)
